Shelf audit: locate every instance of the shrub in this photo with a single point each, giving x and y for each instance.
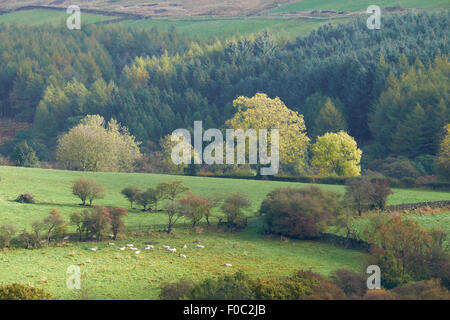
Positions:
(54, 225)
(171, 190)
(25, 198)
(174, 213)
(358, 193)
(147, 198)
(302, 285)
(24, 156)
(30, 239)
(4, 161)
(381, 189)
(379, 294)
(352, 283)
(176, 290)
(87, 189)
(117, 224)
(408, 182)
(7, 232)
(394, 167)
(233, 208)
(400, 250)
(17, 291)
(299, 212)
(234, 287)
(195, 208)
(132, 194)
(422, 290)
(98, 223)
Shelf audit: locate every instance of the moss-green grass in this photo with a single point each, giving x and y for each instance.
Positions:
(113, 274)
(41, 16)
(225, 28)
(52, 189)
(359, 5)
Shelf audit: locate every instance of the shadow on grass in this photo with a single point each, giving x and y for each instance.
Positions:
(49, 204)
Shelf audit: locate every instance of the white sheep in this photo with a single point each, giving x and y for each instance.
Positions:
(149, 247)
(185, 247)
(166, 247)
(94, 249)
(200, 246)
(112, 244)
(172, 250)
(182, 256)
(66, 238)
(134, 249)
(228, 265)
(121, 249)
(130, 245)
(137, 252)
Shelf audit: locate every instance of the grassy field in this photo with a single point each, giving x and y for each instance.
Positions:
(52, 189)
(359, 5)
(37, 17)
(110, 273)
(221, 28)
(225, 28)
(113, 274)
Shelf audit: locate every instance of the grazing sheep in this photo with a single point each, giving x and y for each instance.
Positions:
(185, 247)
(182, 256)
(94, 249)
(166, 247)
(137, 252)
(121, 249)
(149, 247)
(173, 250)
(228, 265)
(112, 244)
(130, 245)
(134, 249)
(200, 246)
(66, 238)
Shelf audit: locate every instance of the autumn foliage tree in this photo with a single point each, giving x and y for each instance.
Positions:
(299, 212)
(233, 207)
(336, 154)
(261, 112)
(195, 208)
(93, 145)
(87, 189)
(405, 252)
(116, 215)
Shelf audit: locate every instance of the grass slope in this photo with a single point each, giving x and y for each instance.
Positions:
(52, 189)
(359, 5)
(39, 16)
(113, 274)
(225, 28)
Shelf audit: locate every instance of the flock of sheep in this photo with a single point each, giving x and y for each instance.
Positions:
(150, 247)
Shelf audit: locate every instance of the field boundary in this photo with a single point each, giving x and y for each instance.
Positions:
(414, 206)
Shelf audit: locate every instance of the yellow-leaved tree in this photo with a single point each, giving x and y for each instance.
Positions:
(336, 154)
(93, 145)
(262, 112)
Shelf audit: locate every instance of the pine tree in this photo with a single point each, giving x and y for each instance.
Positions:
(329, 120)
